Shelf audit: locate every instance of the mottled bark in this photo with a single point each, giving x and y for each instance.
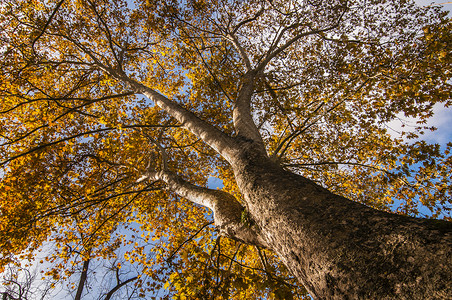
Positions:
(340, 249)
(241, 115)
(337, 248)
(212, 136)
(229, 214)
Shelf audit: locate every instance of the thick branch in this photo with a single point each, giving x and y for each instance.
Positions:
(231, 37)
(243, 120)
(215, 138)
(227, 210)
(82, 281)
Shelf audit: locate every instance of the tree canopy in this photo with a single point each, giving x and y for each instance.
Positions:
(95, 94)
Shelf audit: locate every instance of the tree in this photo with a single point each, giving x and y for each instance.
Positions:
(119, 112)
(20, 283)
(96, 273)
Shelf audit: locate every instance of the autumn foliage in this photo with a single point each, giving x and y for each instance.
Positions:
(76, 137)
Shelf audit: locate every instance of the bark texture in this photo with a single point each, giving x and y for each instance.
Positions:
(337, 248)
(228, 212)
(340, 249)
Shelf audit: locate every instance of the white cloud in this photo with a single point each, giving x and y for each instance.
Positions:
(442, 117)
(442, 120)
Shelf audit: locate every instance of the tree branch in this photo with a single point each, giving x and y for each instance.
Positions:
(65, 139)
(273, 51)
(215, 138)
(170, 258)
(242, 118)
(82, 280)
(227, 210)
(305, 126)
(233, 39)
(118, 286)
(47, 23)
(223, 144)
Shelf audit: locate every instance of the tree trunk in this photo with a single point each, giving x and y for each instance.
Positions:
(83, 277)
(337, 248)
(340, 249)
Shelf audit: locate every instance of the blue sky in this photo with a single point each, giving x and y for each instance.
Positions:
(442, 119)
